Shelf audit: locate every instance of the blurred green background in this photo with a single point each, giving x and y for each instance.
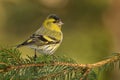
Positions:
(89, 31)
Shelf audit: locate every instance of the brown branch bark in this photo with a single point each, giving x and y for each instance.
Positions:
(89, 66)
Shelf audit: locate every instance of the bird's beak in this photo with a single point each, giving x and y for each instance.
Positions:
(60, 23)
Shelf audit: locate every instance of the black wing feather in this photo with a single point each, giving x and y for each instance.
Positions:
(34, 38)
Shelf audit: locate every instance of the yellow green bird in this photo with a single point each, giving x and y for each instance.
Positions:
(47, 38)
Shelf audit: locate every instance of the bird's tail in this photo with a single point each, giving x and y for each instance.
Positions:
(20, 45)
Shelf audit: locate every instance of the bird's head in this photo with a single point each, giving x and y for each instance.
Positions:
(53, 22)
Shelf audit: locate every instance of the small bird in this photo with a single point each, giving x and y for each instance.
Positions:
(47, 38)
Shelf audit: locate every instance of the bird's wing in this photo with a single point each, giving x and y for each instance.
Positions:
(46, 39)
(39, 40)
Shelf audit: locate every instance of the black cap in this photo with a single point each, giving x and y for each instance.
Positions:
(54, 16)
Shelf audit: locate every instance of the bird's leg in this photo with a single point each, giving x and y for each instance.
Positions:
(35, 69)
(35, 56)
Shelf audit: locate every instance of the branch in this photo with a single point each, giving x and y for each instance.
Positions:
(75, 65)
(45, 67)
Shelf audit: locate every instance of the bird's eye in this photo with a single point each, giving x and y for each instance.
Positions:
(54, 21)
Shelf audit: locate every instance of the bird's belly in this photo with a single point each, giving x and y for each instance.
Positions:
(46, 49)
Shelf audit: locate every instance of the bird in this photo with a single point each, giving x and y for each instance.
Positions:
(47, 38)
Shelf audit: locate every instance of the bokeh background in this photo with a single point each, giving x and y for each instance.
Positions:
(91, 27)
